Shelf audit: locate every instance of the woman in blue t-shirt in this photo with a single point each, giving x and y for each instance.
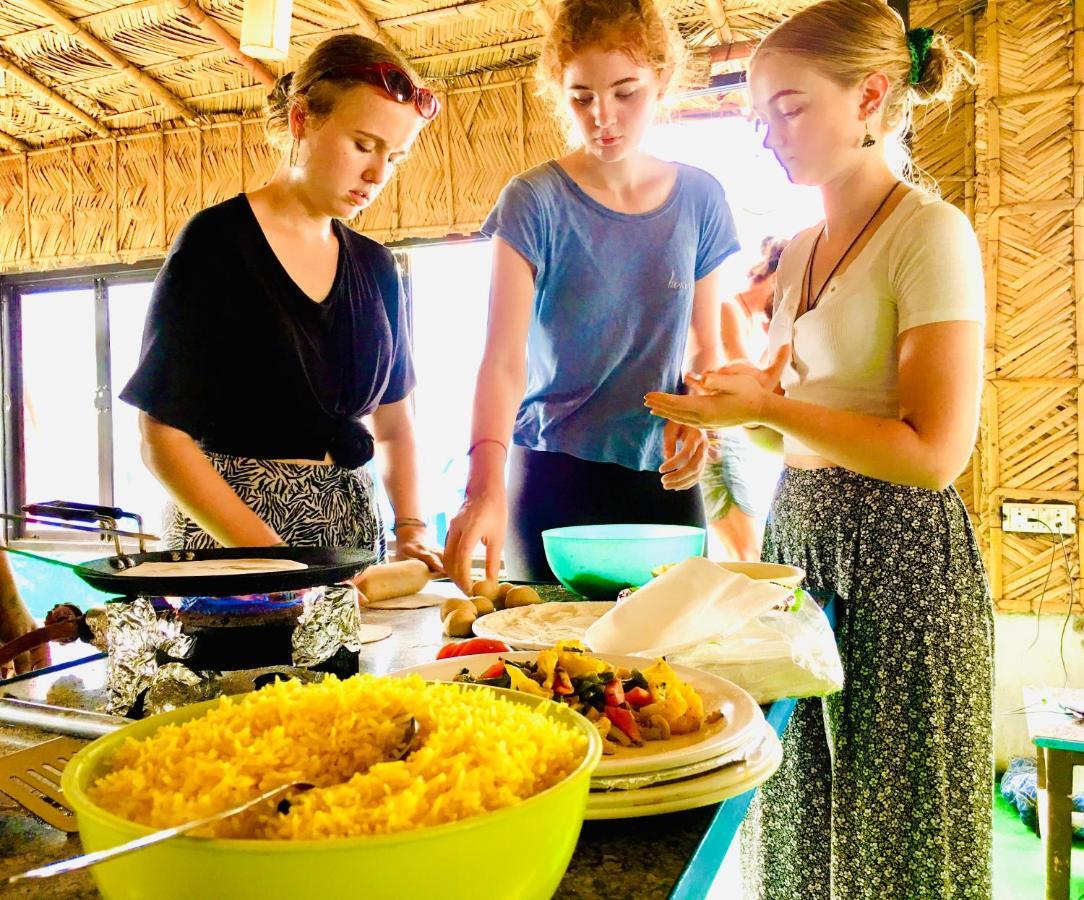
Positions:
(275, 333)
(604, 267)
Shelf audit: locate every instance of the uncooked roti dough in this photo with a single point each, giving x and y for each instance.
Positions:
(410, 601)
(209, 567)
(369, 634)
(541, 625)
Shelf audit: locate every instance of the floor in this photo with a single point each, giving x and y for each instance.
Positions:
(1018, 863)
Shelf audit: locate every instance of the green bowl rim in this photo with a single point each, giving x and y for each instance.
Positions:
(77, 795)
(681, 531)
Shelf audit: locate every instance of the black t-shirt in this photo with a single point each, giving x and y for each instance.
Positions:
(239, 357)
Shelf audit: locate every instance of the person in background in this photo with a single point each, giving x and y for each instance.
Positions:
(15, 621)
(604, 285)
(730, 496)
(276, 332)
(886, 788)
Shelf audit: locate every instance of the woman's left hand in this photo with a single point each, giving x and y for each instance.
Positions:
(682, 465)
(410, 544)
(728, 400)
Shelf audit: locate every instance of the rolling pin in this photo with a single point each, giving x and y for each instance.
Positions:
(397, 579)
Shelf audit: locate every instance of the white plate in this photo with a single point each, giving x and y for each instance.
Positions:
(696, 792)
(741, 721)
(541, 625)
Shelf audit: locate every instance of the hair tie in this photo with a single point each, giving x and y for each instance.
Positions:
(918, 45)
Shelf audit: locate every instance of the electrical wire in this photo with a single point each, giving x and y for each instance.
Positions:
(1060, 539)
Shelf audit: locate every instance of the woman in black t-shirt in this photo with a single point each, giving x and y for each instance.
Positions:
(274, 330)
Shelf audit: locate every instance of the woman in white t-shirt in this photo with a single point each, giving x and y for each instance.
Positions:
(874, 387)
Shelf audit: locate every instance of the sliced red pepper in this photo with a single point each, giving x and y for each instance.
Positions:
(494, 671)
(471, 647)
(638, 697)
(562, 684)
(623, 719)
(615, 694)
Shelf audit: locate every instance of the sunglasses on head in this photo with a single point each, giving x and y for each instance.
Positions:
(395, 83)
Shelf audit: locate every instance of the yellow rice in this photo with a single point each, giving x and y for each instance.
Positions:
(475, 752)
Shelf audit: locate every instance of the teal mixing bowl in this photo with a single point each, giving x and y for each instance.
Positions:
(597, 561)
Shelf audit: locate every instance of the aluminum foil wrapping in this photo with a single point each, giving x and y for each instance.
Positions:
(131, 638)
(326, 625)
(135, 634)
(174, 685)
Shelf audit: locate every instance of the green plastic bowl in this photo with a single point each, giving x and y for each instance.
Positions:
(597, 561)
(517, 852)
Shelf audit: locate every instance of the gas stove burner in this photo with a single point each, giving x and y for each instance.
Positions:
(248, 610)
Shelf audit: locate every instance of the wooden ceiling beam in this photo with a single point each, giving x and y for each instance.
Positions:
(520, 44)
(370, 25)
(155, 88)
(717, 14)
(43, 90)
(206, 23)
(12, 143)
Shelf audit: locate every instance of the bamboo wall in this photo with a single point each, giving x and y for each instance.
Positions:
(1011, 154)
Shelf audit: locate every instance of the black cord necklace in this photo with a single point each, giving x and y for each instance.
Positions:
(811, 302)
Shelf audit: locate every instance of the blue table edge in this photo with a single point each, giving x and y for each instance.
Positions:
(699, 873)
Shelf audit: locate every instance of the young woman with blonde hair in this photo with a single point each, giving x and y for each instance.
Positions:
(876, 343)
(275, 330)
(604, 274)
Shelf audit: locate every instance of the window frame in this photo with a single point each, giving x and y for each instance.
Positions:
(13, 288)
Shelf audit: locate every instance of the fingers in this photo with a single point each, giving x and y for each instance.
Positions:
(456, 560)
(676, 408)
(718, 381)
(774, 372)
(669, 440)
(493, 559)
(690, 443)
(691, 459)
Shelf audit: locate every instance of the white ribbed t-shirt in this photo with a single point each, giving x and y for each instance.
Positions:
(922, 265)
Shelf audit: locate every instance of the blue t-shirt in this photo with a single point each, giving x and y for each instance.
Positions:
(612, 306)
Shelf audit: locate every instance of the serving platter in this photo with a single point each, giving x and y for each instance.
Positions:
(740, 720)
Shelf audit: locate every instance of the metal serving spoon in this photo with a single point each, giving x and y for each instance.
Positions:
(399, 751)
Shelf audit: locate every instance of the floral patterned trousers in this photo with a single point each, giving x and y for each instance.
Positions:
(886, 788)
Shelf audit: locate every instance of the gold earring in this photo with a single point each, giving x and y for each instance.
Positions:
(293, 153)
(869, 140)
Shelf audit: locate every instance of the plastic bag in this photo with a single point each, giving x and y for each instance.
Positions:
(782, 653)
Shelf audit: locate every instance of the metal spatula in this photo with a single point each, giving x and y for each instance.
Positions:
(31, 777)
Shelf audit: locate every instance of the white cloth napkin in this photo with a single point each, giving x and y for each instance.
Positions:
(690, 603)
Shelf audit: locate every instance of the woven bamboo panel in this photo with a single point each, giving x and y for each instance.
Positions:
(93, 199)
(182, 162)
(139, 193)
(221, 171)
(13, 242)
(1036, 309)
(50, 208)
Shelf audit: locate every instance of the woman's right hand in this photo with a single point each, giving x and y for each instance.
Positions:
(768, 377)
(482, 517)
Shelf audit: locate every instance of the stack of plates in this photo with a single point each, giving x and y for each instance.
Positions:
(728, 757)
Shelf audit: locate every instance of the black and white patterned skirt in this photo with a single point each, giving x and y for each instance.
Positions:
(886, 787)
(307, 505)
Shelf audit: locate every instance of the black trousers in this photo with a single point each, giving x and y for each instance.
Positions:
(551, 490)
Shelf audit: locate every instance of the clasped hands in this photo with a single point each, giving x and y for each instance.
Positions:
(734, 394)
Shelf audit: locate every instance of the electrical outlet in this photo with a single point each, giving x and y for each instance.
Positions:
(1061, 517)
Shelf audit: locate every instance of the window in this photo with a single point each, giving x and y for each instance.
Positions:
(70, 345)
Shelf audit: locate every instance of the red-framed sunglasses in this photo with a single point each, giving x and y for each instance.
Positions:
(395, 83)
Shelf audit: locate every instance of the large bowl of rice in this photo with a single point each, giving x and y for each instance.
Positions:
(489, 801)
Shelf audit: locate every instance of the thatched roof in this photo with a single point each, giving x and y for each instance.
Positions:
(71, 69)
